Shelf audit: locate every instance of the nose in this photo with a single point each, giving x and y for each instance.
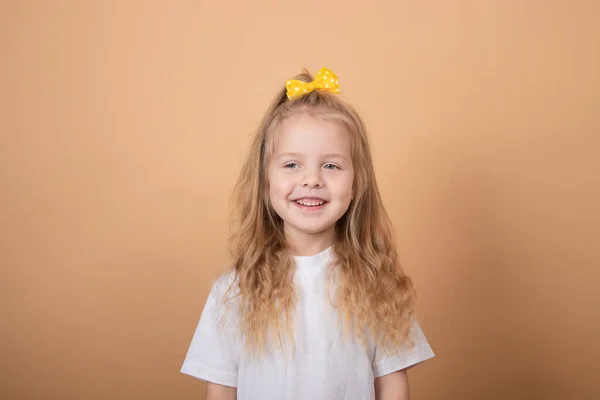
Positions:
(312, 178)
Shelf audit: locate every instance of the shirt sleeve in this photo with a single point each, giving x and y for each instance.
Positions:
(408, 357)
(212, 355)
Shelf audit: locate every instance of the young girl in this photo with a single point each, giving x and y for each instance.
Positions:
(315, 305)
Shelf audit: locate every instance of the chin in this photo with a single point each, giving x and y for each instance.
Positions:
(313, 230)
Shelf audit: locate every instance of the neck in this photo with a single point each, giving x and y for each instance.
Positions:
(308, 244)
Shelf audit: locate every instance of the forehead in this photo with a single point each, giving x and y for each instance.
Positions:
(304, 133)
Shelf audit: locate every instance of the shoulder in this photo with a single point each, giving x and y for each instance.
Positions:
(224, 287)
(221, 302)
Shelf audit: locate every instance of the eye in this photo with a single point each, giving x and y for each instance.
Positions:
(291, 165)
(331, 166)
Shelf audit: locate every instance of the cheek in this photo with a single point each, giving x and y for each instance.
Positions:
(347, 187)
(279, 187)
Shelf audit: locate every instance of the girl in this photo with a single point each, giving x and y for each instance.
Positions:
(315, 305)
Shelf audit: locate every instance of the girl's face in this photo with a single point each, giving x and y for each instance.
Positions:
(310, 176)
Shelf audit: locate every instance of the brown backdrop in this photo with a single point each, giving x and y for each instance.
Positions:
(123, 126)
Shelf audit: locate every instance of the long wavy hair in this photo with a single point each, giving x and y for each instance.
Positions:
(374, 297)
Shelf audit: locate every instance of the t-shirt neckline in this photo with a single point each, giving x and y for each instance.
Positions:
(315, 262)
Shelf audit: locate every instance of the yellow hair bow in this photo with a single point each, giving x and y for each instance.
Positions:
(325, 80)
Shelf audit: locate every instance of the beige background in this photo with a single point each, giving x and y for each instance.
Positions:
(123, 125)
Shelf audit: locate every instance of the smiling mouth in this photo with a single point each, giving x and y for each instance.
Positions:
(310, 202)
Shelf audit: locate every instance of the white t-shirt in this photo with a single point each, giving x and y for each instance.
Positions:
(325, 364)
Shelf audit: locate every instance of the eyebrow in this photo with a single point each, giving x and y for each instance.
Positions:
(329, 155)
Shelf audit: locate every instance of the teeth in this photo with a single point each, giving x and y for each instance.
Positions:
(311, 203)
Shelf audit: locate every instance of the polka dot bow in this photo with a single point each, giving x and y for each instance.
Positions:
(325, 80)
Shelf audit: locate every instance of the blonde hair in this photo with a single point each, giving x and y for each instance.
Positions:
(374, 298)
